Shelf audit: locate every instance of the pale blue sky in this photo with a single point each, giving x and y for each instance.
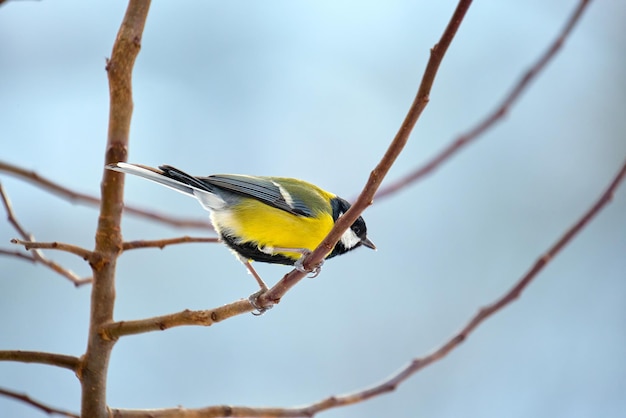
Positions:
(316, 90)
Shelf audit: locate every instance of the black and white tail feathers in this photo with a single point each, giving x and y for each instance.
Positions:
(174, 179)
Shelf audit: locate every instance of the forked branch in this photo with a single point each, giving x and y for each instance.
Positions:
(108, 237)
(35, 255)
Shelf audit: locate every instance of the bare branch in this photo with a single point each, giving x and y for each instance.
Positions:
(161, 243)
(114, 330)
(377, 175)
(367, 195)
(217, 411)
(490, 120)
(18, 254)
(82, 198)
(395, 380)
(69, 248)
(41, 406)
(108, 235)
(8, 207)
(37, 256)
(51, 359)
(30, 401)
(70, 275)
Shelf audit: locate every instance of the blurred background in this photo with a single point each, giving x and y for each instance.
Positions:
(317, 90)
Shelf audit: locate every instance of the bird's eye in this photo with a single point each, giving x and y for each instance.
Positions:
(359, 227)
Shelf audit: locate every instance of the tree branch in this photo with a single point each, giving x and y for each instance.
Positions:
(51, 359)
(42, 407)
(115, 330)
(36, 255)
(108, 236)
(161, 243)
(18, 254)
(68, 248)
(377, 175)
(490, 120)
(76, 197)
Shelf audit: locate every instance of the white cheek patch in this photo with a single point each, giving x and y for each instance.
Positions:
(285, 194)
(349, 239)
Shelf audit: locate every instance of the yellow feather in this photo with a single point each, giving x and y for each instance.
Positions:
(254, 221)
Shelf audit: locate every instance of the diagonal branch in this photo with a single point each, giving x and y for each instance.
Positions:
(490, 120)
(377, 175)
(367, 195)
(413, 367)
(36, 404)
(37, 256)
(18, 254)
(76, 197)
(51, 359)
(161, 243)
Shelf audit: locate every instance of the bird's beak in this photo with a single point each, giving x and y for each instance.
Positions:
(369, 244)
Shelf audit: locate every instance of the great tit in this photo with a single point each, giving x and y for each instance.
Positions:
(266, 219)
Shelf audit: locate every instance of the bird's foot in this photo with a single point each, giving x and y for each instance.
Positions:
(299, 265)
(254, 301)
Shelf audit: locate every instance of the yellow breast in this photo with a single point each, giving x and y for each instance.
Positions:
(254, 221)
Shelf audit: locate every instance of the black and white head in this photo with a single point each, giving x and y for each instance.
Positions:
(353, 237)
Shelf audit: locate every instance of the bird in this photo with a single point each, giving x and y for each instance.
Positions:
(276, 220)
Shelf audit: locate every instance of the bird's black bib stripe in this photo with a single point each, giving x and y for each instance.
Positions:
(250, 251)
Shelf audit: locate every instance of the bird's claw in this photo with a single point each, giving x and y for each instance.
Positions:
(254, 301)
(299, 265)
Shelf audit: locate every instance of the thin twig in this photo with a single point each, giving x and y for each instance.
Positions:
(82, 198)
(161, 243)
(18, 254)
(36, 404)
(395, 380)
(490, 120)
(83, 253)
(8, 207)
(37, 255)
(51, 359)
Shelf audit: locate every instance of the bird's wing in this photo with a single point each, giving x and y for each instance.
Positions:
(264, 189)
